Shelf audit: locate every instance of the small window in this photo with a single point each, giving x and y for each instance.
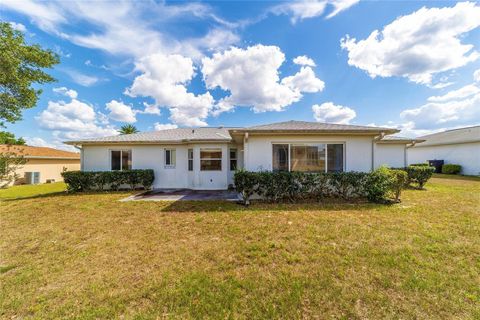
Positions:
(190, 159)
(210, 159)
(233, 159)
(121, 160)
(170, 158)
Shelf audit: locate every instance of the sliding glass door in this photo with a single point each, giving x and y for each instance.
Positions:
(308, 157)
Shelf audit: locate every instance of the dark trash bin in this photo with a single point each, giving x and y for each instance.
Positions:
(437, 164)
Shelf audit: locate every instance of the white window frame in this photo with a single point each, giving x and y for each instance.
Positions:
(171, 165)
(121, 157)
(230, 159)
(190, 152)
(211, 149)
(326, 143)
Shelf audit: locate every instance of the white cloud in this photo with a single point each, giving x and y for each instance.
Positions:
(418, 45)
(39, 142)
(66, 92)
(164, 126)
(463, 92)
(251, 76)
(18, 26)
(119, 111)
(304, 61)
(331, 113)
(151, 109)
(453, 109)
(476, 75)
(72, 120)
(304, 9)
(304, 81)
(164, 78)
(80, 78)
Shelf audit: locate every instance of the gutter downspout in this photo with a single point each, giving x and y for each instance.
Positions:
(374, 145)
(406, 151)
(81, 156)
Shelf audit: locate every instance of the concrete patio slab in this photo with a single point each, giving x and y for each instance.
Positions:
(183, 194)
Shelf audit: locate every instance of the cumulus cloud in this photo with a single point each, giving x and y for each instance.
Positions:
(164, 78)
(80, 78)
(305, 9)
(164, 126)
(331, 113)
(73, 119)
(66, 92)
(304, 81)
(18, 26)
(40, 142)
(251, 76)
(119, 111)
(304, 61)
(418, 45)
(476, 75)
(463, 92)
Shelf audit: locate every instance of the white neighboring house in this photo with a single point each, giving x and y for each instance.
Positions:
(206, 158)
(458, 146)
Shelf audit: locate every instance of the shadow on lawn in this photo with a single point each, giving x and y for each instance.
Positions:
(229, 206)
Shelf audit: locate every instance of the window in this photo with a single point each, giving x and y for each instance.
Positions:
(170, 158)
(233, 159)
(190, 159)
(308, 157)
(280, 157)
(210, 159)
(121, 159)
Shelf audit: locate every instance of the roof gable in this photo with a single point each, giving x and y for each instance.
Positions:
(38, 152)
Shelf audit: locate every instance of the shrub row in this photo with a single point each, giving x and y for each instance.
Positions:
(108, 180)
(451, 168)
(377, 186)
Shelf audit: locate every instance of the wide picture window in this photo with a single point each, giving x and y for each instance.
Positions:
(308, 157)
(210, 159)
(121, 159)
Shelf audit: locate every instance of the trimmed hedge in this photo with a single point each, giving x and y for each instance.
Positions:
(451, 168)
(377, 186)
(108, 180)
(424, 164)
(419, 174)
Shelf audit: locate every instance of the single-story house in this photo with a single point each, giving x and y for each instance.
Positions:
(42, 164)
(459, 146)
(206, 158)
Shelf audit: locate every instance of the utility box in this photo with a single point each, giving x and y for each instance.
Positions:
(32, 177)
(437, 164)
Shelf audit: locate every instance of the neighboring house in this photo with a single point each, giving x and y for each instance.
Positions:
(458, 146)
(48, 162)
(206, 158)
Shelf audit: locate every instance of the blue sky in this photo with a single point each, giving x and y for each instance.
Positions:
(405, 64)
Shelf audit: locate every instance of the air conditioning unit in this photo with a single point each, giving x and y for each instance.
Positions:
(32, 177)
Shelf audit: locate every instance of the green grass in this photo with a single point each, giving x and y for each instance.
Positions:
(27, 191)
(90, 256)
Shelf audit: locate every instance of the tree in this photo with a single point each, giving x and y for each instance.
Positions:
(128, 129)
(9, 138)
(9, 163)
(20, 68)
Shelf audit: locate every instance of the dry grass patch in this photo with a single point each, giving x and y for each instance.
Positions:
(90, 256)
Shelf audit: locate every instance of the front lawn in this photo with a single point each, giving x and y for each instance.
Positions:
(90, 256)
(32, 190)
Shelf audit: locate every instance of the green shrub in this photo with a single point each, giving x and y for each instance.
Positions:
(419, 174)
(298, 186)
(420, 165)
(451, 168)
(102, 180)
(399, 182)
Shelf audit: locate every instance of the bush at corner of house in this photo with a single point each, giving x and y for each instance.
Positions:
(245, 184)
(419, 174)
(378, 185)
(451, 168)
(78, 181)
(399, 180)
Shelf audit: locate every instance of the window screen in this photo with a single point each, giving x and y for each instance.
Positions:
(210, 159)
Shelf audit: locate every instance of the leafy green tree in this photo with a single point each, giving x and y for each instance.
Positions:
(21, 67)
(10, 162)
(9, 138)
(128, 129)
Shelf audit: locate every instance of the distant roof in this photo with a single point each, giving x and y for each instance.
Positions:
(30, 152)
(454, 136)
(203, 134)
(393, 139)
(294, 125)
(178, 135)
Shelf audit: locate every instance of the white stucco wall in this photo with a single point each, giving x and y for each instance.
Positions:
(391, 155)
(97, 158)
(465, 154)
(358, 150)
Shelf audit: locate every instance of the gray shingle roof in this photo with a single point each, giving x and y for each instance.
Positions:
(316, 126)
(170, 135)
(390, 138)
